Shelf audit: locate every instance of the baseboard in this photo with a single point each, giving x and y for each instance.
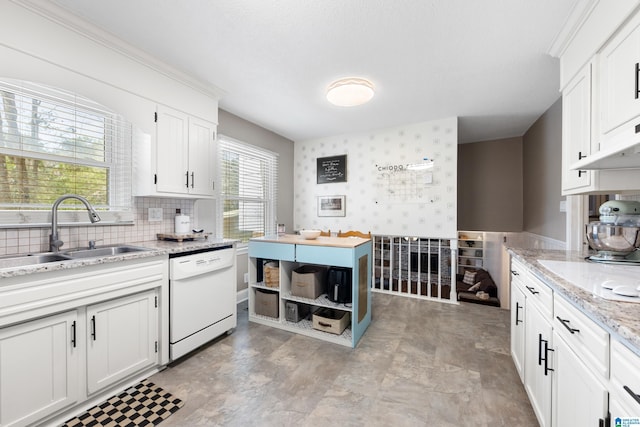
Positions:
(242, 295)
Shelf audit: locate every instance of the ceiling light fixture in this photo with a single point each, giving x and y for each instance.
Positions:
(350, 91)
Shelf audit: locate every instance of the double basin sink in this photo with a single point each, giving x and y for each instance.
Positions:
(74, 254)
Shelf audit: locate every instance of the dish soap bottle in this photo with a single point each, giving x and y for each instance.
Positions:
(182, 223)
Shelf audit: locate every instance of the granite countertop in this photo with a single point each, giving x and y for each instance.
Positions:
(155, 248)
(620, 319)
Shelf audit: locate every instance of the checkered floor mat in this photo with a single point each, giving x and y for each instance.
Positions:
(141, 405)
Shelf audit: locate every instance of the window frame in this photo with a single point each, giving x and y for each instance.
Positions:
(229, 144)
(117, 137)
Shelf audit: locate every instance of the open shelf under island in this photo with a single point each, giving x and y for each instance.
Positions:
(292, 252)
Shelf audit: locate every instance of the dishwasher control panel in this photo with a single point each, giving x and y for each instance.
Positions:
(181, 267)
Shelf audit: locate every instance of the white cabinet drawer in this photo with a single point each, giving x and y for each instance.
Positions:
(625, 381)
(589, 341)
(518, 270)
(539, 294)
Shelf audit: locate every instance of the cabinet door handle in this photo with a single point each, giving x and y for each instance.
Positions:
(73, 334)
(192, 180)
(565, 323)
(540, 349)
(580, 156)
(93, 327)
(632, 394)
(187, 175)
(580, 173)
(547, 369)
(532, 290)
(518, 307)
(515, 273)
(637, 72)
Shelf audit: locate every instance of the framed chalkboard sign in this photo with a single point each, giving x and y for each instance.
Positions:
(332, 169)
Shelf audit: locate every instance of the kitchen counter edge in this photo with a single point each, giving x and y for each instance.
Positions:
(156, 248)
(620, 319)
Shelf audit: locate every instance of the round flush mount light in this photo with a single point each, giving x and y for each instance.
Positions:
(350, 91)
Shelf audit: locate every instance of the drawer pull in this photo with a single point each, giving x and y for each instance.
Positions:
(632, 394)
(515, 273)
(532, 290)
(518, 307)
(565, 324)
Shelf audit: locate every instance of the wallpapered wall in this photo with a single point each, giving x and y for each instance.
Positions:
(381, 194)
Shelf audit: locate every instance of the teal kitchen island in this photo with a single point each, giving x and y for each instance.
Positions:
(283, 255)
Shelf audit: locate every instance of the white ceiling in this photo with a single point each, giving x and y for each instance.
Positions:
(485, 61)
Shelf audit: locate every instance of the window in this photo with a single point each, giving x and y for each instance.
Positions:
(249, 181)
(53, 143)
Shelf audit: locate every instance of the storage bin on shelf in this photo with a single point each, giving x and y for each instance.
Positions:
(330, 320)
(266, 303)
(271, 274)
(308, 281)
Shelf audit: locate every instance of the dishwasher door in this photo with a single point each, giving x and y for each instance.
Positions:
(202, 299)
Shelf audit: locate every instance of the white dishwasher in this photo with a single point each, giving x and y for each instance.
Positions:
(202, 297)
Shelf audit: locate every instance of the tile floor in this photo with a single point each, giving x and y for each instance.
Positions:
(419, 364)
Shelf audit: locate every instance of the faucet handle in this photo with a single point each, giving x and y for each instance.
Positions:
(92, 243)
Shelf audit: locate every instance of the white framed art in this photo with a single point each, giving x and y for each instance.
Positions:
(331, 205)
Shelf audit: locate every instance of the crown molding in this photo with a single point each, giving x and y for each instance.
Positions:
(576, 19)
(84, 28)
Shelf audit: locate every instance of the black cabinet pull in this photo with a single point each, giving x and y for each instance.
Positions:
(632, 394)
(518, 307)
(547, 369)
(637, 72)
(565, 324)
(540, 359)
(580, 156)
(515, 273)
(192, 180)
(532, 290)
(580, 173)
(73, 334)
(93, 327)
(187, 175)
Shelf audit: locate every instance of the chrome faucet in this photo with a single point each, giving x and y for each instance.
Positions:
(54, 242)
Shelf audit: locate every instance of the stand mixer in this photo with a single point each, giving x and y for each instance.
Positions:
(616, 236)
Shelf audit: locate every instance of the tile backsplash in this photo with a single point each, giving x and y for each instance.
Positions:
(26, 240)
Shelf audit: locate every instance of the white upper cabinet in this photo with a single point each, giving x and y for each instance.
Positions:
(576, 131)
(182, 162)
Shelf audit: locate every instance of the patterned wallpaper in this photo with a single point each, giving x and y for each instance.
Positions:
(399, 181)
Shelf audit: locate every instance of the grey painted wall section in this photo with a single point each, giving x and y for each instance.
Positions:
(490, 185)
(542, 155)
(245, 131)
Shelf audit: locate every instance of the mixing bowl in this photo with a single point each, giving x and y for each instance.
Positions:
(613, 240)
(309, 234)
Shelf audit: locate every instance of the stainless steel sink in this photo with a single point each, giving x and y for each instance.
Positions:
(31, 259)
(103, 251)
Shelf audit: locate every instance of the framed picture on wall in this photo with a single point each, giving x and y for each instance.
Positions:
(331, 205)
(331, 169)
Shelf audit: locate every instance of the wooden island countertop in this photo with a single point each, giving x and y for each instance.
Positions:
(295, 239)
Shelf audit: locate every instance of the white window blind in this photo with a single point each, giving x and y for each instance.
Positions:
(52, 143)
(249, 178)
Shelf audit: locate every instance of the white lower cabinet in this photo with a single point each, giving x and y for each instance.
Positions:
(579, 398)
(624, 387)
(38, 368)
(518, 315)
(537, 366)
(122, 339)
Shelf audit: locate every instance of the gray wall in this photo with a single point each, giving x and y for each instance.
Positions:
(542, 156)
(245, 131)
(490, 185)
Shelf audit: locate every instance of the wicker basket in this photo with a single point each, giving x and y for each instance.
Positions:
(272, 274)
